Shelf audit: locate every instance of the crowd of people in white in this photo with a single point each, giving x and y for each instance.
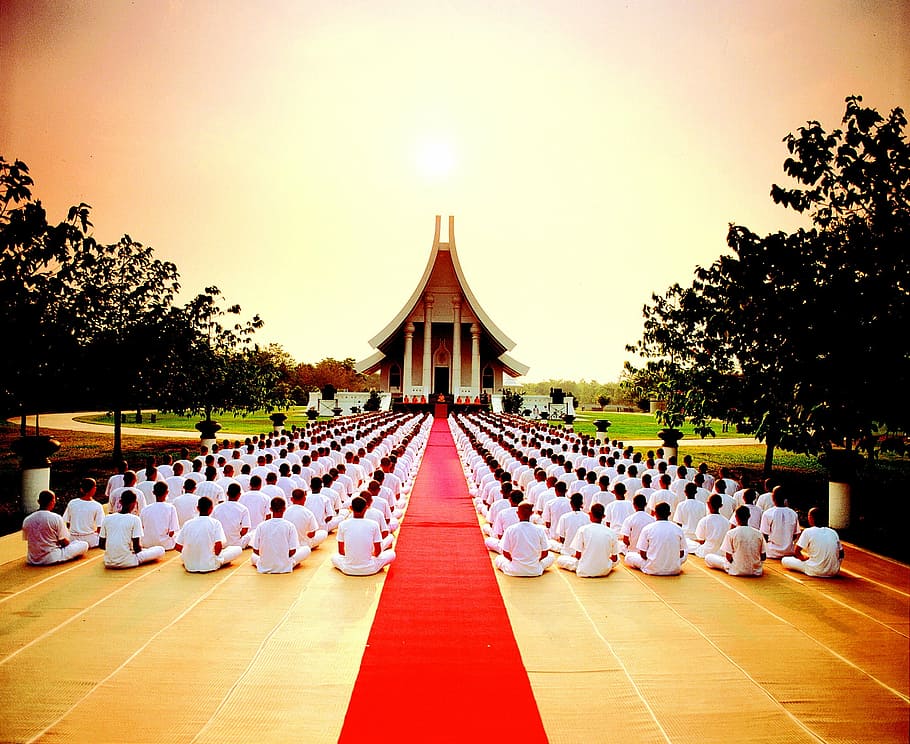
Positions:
(279, 496)
(546, 496)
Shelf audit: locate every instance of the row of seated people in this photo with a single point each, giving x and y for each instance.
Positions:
(280, 531)
(731, 532)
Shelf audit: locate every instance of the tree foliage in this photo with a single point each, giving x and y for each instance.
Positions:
(797, 336)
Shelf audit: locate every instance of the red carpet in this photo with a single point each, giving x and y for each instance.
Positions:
(441, 663)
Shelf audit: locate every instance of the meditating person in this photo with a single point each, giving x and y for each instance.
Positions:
(709, 534)
(661, 546)
(201, 542)
(84, 515)
(120, 535)
(159, 520)
(634, 524)
(504, 519)
(48, 539)
(743, 548)
(690, 511)
(525, 549)
(780, 526)
(818, 551)
(308, 530)
(129, 484)
(568, 525)
(234, 518)
(594, 547)
(360, 550)
(276, 547)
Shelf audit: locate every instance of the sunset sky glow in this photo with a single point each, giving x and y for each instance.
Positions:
(295, 153)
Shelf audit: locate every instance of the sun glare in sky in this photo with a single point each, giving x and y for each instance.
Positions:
(435, 158)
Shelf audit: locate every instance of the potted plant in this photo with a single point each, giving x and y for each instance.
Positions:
(278, 420)
(311, 413)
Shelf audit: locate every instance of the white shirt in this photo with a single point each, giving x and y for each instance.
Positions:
(745, 544)
(118, 530)
(84, 517)
(198, 538)
(257, 504)
(662, 541)
(303, 519)
(274, 539)
(688, 514)
(616, 512)
(597, 544)
(43, 530)
(158, 519)
(359, 536)
(780, 524)
(633, 525)
(568, 526)
(822, 547)
(712, 530)
(233, 516)
(525, 542)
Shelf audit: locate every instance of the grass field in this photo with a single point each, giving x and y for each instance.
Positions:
(254, 423)
(636, 426)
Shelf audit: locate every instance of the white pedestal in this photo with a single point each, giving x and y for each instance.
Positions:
(209, 442)
(838, 505)
(34, 481)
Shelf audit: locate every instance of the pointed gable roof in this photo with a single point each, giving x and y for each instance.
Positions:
(440, 254)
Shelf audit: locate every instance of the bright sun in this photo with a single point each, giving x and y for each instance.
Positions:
(434, 158)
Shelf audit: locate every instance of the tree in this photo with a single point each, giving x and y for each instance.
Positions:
(512, 400)
(216, 366)
(795, 335)
(35, 258)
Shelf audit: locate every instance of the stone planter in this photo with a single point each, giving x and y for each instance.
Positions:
(35, 467)
(312, 414)
(337, 411)
(842, 467)
(670, 439)
(207, 431)
(601, 425)
(278, 420)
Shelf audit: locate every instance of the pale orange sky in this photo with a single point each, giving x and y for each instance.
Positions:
(295, 153)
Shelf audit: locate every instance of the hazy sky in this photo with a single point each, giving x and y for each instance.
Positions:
(295, 153)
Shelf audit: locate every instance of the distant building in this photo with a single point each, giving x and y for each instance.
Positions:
(442, 342)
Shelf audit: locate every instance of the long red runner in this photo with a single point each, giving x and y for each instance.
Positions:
(441, 662)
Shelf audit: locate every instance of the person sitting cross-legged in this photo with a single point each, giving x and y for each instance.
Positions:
(594, 546)
(743, 548)
(47, 536)
(818, 551)
(83, 516)
(525, 548)
(661, 546)
(120, 534)
(201, 542)
(360, 550)
(276, 547)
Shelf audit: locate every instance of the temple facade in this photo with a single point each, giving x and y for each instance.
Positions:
(441, 343)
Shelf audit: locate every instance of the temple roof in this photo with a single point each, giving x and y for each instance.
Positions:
(494, 333)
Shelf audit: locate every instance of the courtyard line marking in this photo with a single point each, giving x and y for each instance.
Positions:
(255, 657)
(877, 583)
(77, 564)
(809, 587)
(615, 656)
(79, 614)
(711, 572)
(136, 653)
(719, 650)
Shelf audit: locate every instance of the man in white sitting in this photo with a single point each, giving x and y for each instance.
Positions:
(120, 535)
(634, 524)
(661, 546)
(159, 520)
(83, 516)
(594, 547)
(276, 547)
(504, 519)
(780, 526)
(743, 549)
(711, 529)
(234, 518)
(48, 539)
(360, 550)
(201, 542)
(568, 525)
(304, 520)
(818, 551)
(525, 548)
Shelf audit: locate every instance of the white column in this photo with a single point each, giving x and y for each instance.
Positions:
(456, 347)
(475, 358)
(406, 381)
(428, 345)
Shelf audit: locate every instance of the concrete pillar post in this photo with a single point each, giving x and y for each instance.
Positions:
(428, 344)
(456, 347)
(406, 372)
(475, 358)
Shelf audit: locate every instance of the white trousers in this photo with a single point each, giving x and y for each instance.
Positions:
(61, 555)
(317, 539)
(91, 538)
(510, 569)
(376, 564)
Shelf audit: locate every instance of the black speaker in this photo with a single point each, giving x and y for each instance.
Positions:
(557, 396)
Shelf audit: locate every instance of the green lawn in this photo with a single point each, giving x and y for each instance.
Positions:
(636, 426)
(254, 423)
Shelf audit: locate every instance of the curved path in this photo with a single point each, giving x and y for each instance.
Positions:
(68, 422)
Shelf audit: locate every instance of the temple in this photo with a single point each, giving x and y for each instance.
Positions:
(442, 345)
